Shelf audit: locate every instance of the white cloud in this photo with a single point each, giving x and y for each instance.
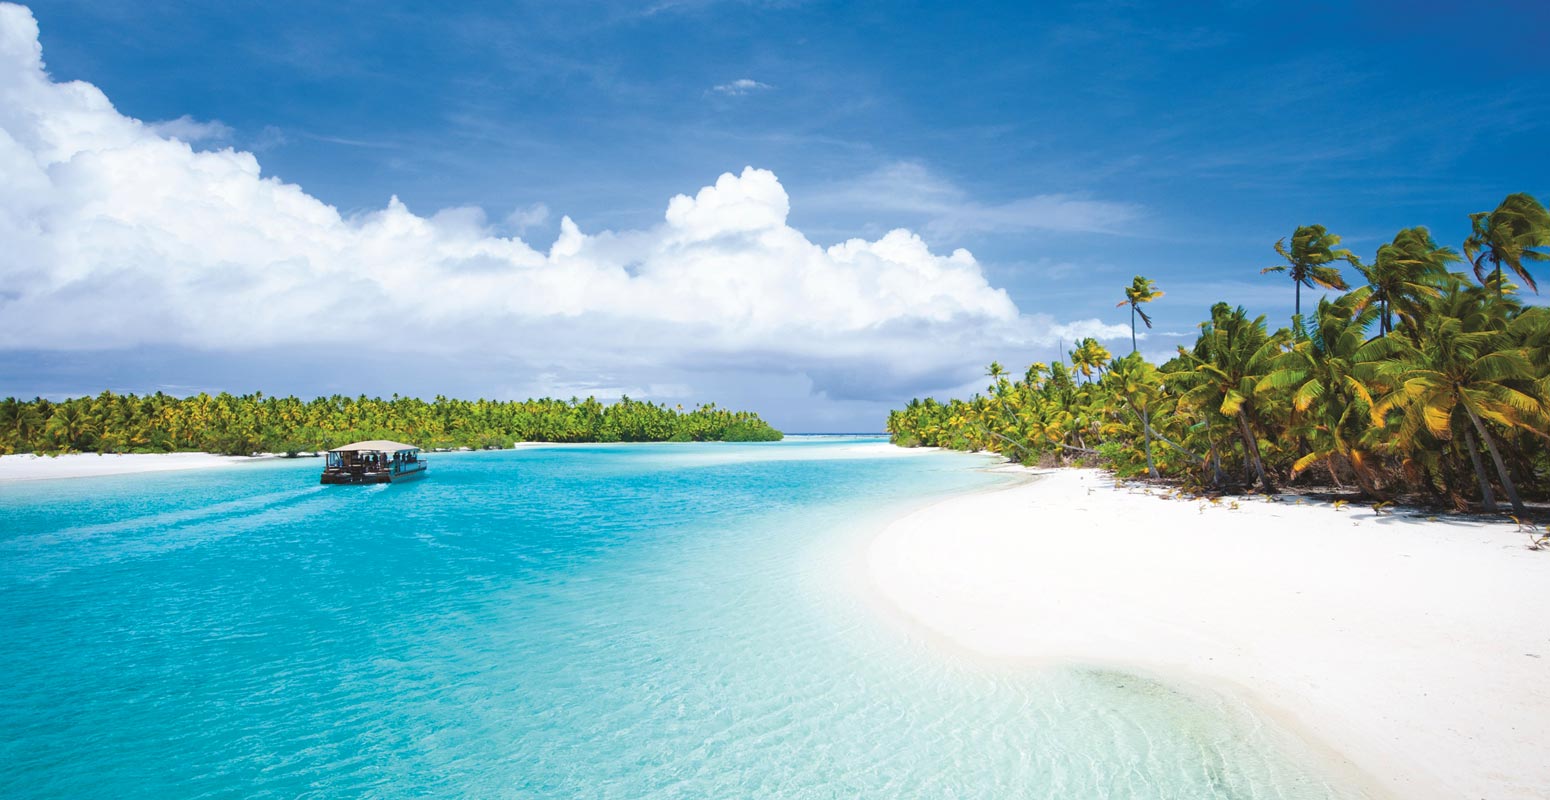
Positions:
(118, 236)
(191, 130)
(740, 87)
(911, 188)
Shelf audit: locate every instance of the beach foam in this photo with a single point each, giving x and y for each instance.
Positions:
(1417, 648)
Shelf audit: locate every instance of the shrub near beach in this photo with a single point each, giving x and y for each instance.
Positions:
(1422, 382)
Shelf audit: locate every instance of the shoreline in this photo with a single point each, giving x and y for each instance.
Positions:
(1407, 649)
(28, 467)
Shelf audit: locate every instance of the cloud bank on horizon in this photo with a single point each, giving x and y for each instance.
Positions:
(122, 234)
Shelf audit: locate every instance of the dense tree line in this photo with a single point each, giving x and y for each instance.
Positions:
(1422, 383)
(240, 425)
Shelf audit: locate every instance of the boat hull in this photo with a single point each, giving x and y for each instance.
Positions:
(347, 478)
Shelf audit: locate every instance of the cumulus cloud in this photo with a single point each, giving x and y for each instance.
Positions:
(739, 87)
(120, 234)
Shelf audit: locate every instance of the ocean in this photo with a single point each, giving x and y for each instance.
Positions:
(605, 621)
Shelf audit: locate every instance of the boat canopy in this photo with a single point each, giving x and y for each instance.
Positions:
(374, 446)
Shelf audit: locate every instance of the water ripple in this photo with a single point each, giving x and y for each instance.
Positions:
(604, 622)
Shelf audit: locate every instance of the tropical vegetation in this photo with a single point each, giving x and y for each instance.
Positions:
(1420, 384)
(254, 423)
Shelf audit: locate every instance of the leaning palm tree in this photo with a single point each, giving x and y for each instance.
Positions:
(1466, 374)
(1308, 260)
(1517, 231)
(1406, 272)
(1141, 290)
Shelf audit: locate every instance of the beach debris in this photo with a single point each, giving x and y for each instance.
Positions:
(1341, 504)
(1379, 508)
(1537, 539)
(1233, 505)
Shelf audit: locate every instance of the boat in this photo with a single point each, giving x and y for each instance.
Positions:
(375, 461)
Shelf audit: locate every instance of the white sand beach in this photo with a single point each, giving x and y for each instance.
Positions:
(1417, 649)
(29, 467)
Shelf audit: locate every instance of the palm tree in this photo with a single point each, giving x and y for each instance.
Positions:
(995, 372)
(1517, 231)
(1330, 404)
(1140, 290)
(1222, 374)
(1467, 364)
(1405, 273)
(1088, 357)
(1137, 384)
(1308, 260)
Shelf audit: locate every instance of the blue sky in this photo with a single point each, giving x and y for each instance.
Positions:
(1068, 147)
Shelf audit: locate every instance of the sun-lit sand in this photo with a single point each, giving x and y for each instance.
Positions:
(1418, 650)
(28, 467)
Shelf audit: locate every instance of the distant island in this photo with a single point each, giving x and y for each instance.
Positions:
(253, 423)
(1421, 383)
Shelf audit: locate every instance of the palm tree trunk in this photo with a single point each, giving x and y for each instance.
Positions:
(1152, 434)
(1363, 479)
(1216, 468)
(1297, 307)
(1251, 449)
(1487, 497)
(1496, 457)
(1133, 332)
(1146, 431)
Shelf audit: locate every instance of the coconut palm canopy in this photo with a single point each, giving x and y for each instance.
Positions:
(1518, 231)
(1450, 405)
(239, 425)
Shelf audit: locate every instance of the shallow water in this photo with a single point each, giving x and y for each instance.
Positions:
(609, 621)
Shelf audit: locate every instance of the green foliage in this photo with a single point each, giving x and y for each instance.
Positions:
(1309, 258)
(1418, 384)
(1517, 231)
(240, 425)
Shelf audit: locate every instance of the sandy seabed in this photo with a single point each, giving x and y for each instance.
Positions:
(1417, 648)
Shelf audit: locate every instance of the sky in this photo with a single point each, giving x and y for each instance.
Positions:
(813, 210)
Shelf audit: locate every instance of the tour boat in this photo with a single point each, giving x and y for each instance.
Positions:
(376, 461)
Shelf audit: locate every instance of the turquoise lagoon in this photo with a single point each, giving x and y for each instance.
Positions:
(675, 620)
